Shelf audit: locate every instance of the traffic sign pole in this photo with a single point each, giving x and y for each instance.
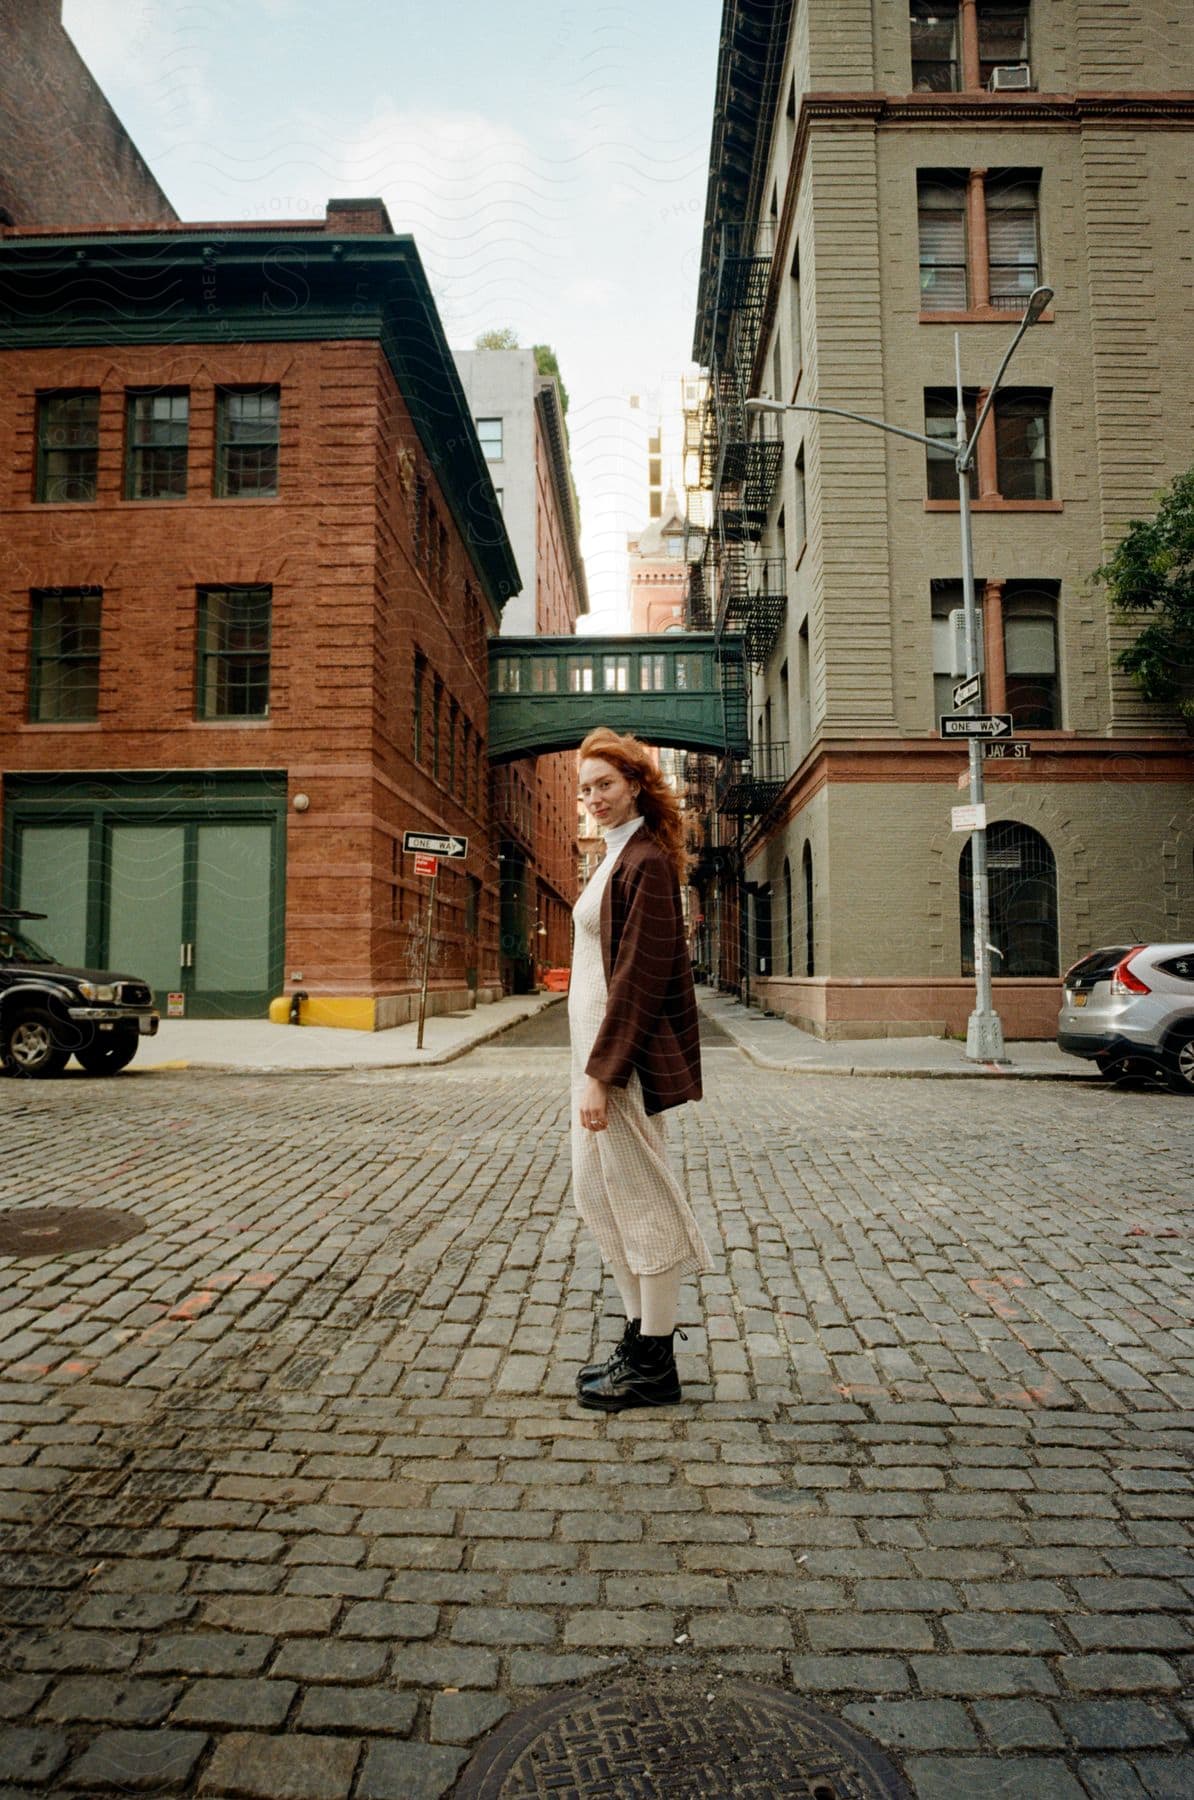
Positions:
(984, 1033)
(426, 957)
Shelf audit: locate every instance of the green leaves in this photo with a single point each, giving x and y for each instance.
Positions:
(1151, 570)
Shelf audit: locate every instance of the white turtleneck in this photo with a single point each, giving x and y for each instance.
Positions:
(617, 835)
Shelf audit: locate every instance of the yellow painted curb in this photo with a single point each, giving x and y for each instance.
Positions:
(347, 1012)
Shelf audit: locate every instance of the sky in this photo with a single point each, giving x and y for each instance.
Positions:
(550, 160)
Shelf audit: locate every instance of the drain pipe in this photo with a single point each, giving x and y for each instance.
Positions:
(296, 1005)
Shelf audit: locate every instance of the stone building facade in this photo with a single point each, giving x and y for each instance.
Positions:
(887, 176)
(252, 559)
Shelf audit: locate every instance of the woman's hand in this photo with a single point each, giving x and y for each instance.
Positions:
(593, 1103)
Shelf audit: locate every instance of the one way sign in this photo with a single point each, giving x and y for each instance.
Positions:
(976, 725)
(414, 841)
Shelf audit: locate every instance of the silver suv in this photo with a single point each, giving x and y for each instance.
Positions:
(1131, 1007)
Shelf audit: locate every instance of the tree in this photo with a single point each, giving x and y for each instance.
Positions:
(548, 363)
(1151, 570)
(504, 337)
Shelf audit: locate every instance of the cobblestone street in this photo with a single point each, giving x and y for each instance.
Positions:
(297, 1500)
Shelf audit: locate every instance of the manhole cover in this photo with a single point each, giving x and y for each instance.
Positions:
(53, 1230)
(678, 1742)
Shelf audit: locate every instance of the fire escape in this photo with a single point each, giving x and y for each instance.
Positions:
(742, 590)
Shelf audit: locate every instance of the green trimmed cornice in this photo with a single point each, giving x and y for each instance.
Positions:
(247, 286)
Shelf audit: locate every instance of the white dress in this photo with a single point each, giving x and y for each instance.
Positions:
(623, 1187)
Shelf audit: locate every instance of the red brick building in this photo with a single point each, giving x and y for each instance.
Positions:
(64, 155)
(251, 559)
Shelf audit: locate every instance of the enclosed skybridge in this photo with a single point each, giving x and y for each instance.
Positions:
(684, 690)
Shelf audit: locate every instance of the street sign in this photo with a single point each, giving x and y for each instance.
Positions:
(425, 865)
(435, 846)
(976, 725)
(1017, 750)
(968, 818)
(968, 690)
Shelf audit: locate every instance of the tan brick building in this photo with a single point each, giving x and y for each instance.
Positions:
(882, 176)
(251, 560)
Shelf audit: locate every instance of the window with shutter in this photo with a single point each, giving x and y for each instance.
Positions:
(941, 205)
(1013, 238)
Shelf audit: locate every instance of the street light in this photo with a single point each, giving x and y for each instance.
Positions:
(984, 1033)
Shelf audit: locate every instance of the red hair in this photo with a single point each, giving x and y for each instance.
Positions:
(656, 801)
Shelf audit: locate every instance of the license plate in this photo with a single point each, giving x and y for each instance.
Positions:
(1081, 999)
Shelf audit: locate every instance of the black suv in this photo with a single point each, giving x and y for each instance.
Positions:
(49, 1013)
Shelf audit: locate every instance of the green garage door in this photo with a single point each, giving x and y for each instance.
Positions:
(186, 892)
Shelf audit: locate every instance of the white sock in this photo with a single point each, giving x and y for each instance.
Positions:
(628, 1286)
(661, 1302)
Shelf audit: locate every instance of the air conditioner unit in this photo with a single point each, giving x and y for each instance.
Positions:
(1009, 78)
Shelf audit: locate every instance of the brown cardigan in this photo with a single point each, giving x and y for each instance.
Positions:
(650, 1019)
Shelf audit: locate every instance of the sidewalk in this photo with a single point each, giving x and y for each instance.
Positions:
(255, 1046)
(773, 1043)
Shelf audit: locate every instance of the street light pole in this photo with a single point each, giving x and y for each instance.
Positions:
(984, 1033)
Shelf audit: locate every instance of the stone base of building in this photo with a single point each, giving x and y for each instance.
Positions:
(876, 1007)
(377, 1012)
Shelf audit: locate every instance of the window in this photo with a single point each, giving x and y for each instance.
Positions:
(797, 320)
(936, 60)
(690, 670)
(580, 674)
(615, 674)
(651, 674)
(509, 675)
(655, 506)
(234, 650)
(799, 516)
(949, 661)
(1012, 199)
(941, 213)
(1003, 207)
(806, 862)
(1002, 37)
(500, 496)
(953, 49)
(546, 676)
(453, 726)
(437, 708)
(787, 956)
(654, 470)
(1012, 453)
(64, 655)
(941, 406)
(246, 443)
(1030, 657)
(67, 446)
(156, 458)
(1022, 444)
(489, 435)
(417, 708)
(804, 691)
(1022, 889)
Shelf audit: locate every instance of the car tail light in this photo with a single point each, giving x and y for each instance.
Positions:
(1123, 981)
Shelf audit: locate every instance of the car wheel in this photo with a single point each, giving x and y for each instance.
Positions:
(109, 1054)
(1180, 1064)
(31, 1048)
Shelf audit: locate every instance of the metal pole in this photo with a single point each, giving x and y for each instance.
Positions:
(426, 956)
(984, 1033)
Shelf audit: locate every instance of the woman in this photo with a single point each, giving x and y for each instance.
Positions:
(635, 1053)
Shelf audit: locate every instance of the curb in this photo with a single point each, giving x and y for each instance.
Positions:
(428, 1058)
(977, 1072)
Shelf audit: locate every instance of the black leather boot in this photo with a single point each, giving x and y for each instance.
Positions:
(645, 1376)
(593, 1370)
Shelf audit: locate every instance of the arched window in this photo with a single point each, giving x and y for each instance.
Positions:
(810, 958)
(787, 917)
(1022, 883)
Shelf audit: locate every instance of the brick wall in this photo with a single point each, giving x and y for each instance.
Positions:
(354, 597)
(65, 158)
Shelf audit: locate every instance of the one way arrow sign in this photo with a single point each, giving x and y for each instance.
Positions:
(976, 725)
(414, 841)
